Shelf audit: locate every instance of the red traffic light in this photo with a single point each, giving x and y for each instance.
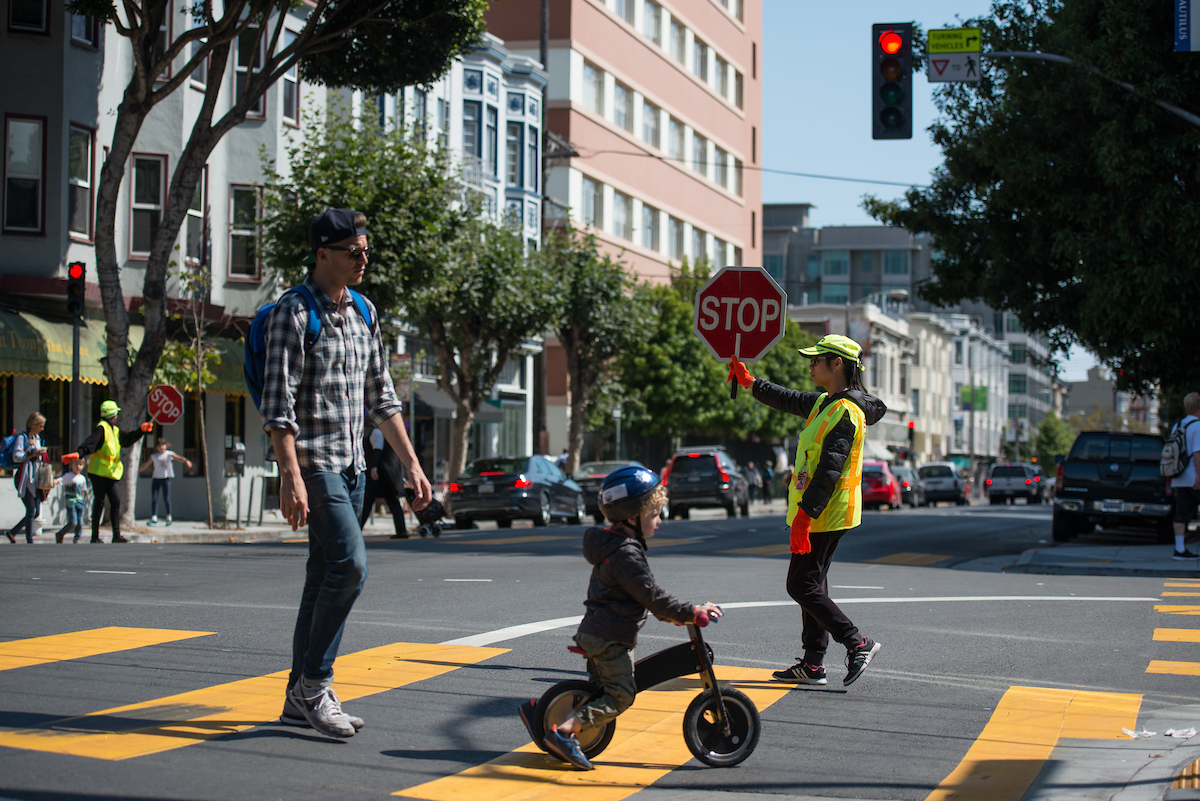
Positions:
(912, 424)
(75, 270)
(890, 42)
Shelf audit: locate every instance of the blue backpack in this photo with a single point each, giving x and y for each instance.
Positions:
(7, 446)
(256, 338)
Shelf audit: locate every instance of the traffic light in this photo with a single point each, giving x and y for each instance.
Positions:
(891, 80)
(912, 434)
(76, 275)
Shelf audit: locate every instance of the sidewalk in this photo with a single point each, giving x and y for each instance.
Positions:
(1103, 560)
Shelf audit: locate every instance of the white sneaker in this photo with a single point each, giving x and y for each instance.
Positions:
(322, 711)
(292, 716)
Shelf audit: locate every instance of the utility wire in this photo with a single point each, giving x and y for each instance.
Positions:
(591, 153)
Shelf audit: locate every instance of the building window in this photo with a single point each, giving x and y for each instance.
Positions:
(737, 257)
(148, 198)
(722, 77)
(835, 262)
(737, 177)
(895, 262)
(650, 124)
(199, 79)
(623, 215)
(840, 293)
(700, 59)
(243, 232)
(79, 181)
(514, 145)
(473, 81)
(593, 88)
(699, 154)
(739, 90)
(652, 21)
(250, 59)
(721, 167)
(813, 267)
(903, 378)
(675, 238)
(420, 111)
(27, 15)
(624, 9)
(958, 352)
(516, 104)
(649, 227)
(1018, 411)
(719, 255)
(290, 87)
(533, 165)
(493, 140)
(25, 144)
(593, 203)
(1017, 383)
(867, 262)
(1011, 324)
(916, 403)
(472, 142)
(699, 245)
(1017, 354)
(676, 143)
(160, 44)
(678, 42)
(197, 222)
(623, 107)
(773, 263)
(443, 122)
(85, 30)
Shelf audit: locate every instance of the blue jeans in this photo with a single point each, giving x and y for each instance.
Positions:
(33, 506)
(158, 485)
(335, 574)
(74, 510)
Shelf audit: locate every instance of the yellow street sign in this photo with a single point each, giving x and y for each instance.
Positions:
(954, 40)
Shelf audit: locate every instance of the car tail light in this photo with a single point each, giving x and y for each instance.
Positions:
(695, 456)
(521, 483)
(1037, 479)
(1029, 482)
(1058, 479)
(492, 473)
(721, 470)
(904, 484)
(454, 487)
(988, 482)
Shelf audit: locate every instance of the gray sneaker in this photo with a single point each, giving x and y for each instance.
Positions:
(292, 716)
(322, 711)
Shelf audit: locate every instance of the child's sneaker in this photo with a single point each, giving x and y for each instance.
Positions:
(525, 712)
(169, 521)
(152, 521)
(801, 673)
(566, 748)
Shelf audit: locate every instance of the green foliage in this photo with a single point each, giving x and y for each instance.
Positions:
(189, 364)
(404, 187)
(1066, 198)
(1054, 438)
(675, 387)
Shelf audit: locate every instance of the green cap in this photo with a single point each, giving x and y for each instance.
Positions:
(837, 345)
(109, 409)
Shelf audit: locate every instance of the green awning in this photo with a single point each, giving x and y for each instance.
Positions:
(32, 346)
(231, 372)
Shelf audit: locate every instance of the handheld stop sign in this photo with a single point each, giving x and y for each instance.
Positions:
(740, 312)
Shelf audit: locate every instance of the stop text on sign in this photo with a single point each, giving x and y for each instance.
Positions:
(748, 313)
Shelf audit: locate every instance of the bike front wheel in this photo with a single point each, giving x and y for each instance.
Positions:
(559, 703)
(705, 736)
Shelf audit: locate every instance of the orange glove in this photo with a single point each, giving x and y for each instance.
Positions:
(738, 370)
(147, 427)
(67, 458)
(800, 526)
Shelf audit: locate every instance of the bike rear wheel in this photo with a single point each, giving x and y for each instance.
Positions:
(559, 703)
(704, 735)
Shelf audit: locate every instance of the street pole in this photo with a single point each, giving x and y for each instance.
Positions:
(617, 416)
(73, 431)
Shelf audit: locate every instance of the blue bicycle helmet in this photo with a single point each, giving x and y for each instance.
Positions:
(625, 491)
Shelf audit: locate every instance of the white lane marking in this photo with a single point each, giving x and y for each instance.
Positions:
(466, 579)
(119, 572)
(855, 587)
(525, 629)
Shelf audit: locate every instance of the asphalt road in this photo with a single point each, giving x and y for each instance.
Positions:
(957, 637)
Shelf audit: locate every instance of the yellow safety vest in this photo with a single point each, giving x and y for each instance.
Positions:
(845, 504)
(107, 461)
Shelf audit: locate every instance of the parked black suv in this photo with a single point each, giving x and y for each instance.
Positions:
(705, 477)
(1112, 478)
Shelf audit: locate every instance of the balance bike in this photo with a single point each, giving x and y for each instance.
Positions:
(720, 726)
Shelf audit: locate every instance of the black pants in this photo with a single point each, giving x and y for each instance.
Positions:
(808, 585)
(103, 488)
(374, 493)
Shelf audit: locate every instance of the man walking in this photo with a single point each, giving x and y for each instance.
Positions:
(1186, 485)
(315, 397)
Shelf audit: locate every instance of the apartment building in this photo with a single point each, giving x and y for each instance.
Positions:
(979, 372)
(64, 74)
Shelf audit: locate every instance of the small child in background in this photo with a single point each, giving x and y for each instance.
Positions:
(75, 489)
(163, 459)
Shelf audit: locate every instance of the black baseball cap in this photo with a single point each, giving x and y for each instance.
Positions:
(333, 225)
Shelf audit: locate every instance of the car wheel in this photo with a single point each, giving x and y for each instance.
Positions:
(503, 524)
(731, 510)
(1064, 526)
(1164, 532)
(462, 523)
(681, 512)
(598, 518)
(580, 512)
(543, 516)
(746, 507)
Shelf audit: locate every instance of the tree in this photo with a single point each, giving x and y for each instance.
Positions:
(599, 319)
(1054, 438)
(486, 300)
(381, 45)
(1066, 198)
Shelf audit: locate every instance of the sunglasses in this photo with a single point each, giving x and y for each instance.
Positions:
(354, 252)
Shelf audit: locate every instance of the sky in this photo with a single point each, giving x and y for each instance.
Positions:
(817, 111)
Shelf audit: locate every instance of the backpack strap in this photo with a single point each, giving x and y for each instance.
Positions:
(361, 304)
(314, 315)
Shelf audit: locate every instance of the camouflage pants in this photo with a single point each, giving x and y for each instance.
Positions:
(610, 665)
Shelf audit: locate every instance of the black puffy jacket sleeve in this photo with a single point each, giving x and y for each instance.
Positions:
(782, 399)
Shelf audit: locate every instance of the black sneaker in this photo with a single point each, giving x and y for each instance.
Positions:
(858, 658)
(1184, 554)
(567, 749)
(119, 538)
(801, 673)
(525, 712)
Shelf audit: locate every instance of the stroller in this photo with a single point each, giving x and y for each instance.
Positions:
(428, 519)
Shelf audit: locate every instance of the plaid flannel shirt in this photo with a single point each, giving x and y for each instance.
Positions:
(322, 394)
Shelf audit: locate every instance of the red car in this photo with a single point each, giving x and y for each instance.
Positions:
(880, 486)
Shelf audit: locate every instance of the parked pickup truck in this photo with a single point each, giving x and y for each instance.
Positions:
(1112, 478)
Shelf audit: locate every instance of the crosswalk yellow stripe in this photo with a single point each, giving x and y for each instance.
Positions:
(1180, 594)
(180, 720)
(1010, 752)
(1174, 668)
(1185, 583)
(909, 559)
(78, 644)
(648, 745)
(1177, 635)
(1169, 609)
(763, 550)
(510, 540)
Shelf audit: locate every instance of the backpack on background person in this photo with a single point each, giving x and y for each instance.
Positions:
(1175, 457)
